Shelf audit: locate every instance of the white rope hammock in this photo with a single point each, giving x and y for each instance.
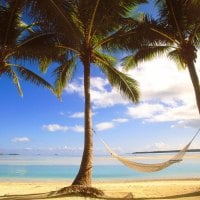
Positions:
(143, 167)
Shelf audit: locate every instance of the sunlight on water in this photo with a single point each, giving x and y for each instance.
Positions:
(105, 167)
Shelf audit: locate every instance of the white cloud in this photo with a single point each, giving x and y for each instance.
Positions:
(181, 115)
(75, 87)
(55, 127)
(78, 128)
(28, 149)
(160, 79)
(158, 146)
(145, 110)
(98, 83)
(104, 126)
(187, 123)
(20, 139)
(166, 94)
(77, 115)
(101, 126)
(61, 113)
(102, 95)
(107, 98)
(120, 120)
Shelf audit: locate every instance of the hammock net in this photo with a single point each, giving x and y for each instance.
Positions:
(143, 167)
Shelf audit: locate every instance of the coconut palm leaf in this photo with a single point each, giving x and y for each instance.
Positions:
(145, 53)
(87, 30)
(177, 58)
(64, 74)
(11, 74)
(129, 62)
(124, 83)
(55, 13)
(30, 76)
(177, 28)
(16, 45)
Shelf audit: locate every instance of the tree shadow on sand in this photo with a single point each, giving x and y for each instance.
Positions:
(179, 196)
(71, 191)
(77, 191)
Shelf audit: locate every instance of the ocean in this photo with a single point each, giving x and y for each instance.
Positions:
(18, 167)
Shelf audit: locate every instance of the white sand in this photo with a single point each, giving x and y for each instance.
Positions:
(188, 189)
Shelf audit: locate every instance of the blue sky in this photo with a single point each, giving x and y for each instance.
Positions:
(165, 118)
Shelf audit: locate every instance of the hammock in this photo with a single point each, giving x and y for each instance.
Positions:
(142, 167)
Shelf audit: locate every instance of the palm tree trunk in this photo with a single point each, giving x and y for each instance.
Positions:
(195, 82)
(84, 176)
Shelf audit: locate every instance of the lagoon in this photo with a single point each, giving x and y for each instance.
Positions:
(105, 168)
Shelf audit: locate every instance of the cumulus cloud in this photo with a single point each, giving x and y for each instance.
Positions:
(145, 110)
(55, 127)
(166, 94)
(104, 126)
(109, 125)
(61, 113)
(158, 146)
(58, 127)
(102, 95)
(78, 128)
(187, 123)
(120, 120)
(77, 115)
(20, 139)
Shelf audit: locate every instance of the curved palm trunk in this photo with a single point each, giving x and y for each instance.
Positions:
(84, 176)
(195, 82)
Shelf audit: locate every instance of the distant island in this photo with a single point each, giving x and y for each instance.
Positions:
(166, 151)
(9, 154)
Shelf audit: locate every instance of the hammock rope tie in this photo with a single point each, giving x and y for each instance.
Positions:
(144, 167)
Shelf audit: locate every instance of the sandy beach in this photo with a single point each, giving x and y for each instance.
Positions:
(125, 189)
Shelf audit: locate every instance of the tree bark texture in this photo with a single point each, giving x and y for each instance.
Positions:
(84, 176)
(195, 82)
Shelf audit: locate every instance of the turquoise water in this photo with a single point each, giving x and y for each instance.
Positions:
(19, 167)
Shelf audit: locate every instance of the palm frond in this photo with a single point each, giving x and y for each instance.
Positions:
(11, 73)
(9, 23)
(54, 14)
(111, 20)
(44, 63)
(177, 58)
(27, 27)
(145, 53)
(28, 75)
(40, 47)
(128, 62)
(127, 86)
(63, 74)
(92, 19)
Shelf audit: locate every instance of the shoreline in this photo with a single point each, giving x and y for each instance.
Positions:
(117, 180)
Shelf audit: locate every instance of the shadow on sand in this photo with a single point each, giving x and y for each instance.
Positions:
(180, 196)
(70, 191)
(117, 195)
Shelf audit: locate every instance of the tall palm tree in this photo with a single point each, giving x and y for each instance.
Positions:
(16, 45)
(85, 28)
(176, 31)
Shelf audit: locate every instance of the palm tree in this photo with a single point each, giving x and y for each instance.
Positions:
(16, 45)
(176, 31)
(85, 28)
